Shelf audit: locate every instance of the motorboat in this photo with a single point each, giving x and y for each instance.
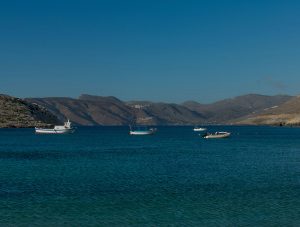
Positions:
(58, 129)
(141, 131)
(199, 129)
(216, 135)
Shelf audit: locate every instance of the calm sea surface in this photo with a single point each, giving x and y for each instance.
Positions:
(101, 176)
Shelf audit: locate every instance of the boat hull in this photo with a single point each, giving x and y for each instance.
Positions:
(199, 129)
(53, 131)
(217, 136)
(141, 133)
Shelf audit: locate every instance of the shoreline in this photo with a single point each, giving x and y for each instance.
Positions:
(204, 125)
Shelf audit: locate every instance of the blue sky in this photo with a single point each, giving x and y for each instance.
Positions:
(168, 51)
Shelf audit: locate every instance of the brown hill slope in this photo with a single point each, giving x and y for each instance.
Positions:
(88, 110)
(15, 112)
(287, 113)
(228, 110)
(97, 110)
(164, 114)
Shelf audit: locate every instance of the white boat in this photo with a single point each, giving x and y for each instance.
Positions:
(216, 135)
(58, 129)
(199, 129)
(141, 131)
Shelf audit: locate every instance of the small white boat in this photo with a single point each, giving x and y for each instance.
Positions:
(216, 135)
(199, 129)
(141, 131)
(58, 129)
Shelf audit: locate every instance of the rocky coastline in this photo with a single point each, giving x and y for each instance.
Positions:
(18, 113)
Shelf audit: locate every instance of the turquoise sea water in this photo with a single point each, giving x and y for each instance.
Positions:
(101, 176)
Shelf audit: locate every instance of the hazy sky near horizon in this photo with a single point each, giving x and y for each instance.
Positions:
(149, 50)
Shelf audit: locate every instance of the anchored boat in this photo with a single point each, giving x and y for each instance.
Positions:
(216, 135)
(199, 129)
(58, 129)
(141, 131)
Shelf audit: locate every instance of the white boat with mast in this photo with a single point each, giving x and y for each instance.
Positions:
(58, 129)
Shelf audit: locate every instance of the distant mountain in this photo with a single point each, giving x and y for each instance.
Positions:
(229, 110)
(287, 113)
(88, 110)
(98, 110)
(164, 114)
(16, 113)
(103, 99)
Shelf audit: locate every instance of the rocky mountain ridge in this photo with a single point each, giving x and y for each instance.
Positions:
(287, 113)
(89, 110)
(18, 113)
(98, 110)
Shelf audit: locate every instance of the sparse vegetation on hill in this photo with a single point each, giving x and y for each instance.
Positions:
(97, 110)
(287, 113)
(17, 113)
